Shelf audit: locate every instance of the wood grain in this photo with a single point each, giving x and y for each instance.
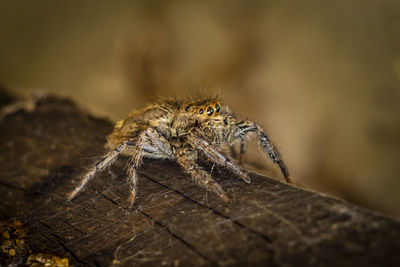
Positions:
(173, 222)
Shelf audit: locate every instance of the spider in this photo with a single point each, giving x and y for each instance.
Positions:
(182, 131)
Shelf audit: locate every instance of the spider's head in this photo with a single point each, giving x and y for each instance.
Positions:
(194, 113)
(203, 109)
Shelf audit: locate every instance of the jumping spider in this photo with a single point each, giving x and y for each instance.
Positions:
(182, 131)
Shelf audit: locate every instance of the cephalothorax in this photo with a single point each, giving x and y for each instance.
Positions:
(182, 131)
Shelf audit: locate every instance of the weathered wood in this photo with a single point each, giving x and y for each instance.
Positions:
(173, 222)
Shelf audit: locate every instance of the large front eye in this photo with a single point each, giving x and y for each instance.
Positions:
(201, 111)
(210, 111)
(217, 108)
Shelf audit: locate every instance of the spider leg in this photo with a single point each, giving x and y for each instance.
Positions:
(216, 156)
(27, 104)
(160, 142)
(99, 166)
(185, 157)
(136, 161)
(149, 137)
(242, 150)
(246, 127)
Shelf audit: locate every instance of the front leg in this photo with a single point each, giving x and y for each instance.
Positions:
(99, 166)
(149, 137)
(160, 142)
(216, 156)
(187, 159)
(243, 128)
(242, 150)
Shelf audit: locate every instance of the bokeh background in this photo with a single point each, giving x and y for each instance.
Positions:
(321, 76)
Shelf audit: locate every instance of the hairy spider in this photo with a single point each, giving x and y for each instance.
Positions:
(182, 131)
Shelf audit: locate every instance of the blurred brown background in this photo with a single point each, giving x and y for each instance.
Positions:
(322, 77)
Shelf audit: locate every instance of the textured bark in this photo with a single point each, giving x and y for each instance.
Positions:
(174, 222)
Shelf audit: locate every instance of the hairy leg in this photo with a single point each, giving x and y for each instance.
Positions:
(217, 157)
(99, 166)
(242, 150)
(136, 161)
(239, 155)
(148, 137)
(186, 158)
(27, 104)
(243, 128)
(160, 142)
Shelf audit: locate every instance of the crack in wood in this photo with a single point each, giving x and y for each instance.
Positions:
(73, 227)
(60, 241)
(233, 221)
(187, 244)
(286, 222)
(111, 200)
(274, 235)
(180, 239)
(263, 236)
(4, 184)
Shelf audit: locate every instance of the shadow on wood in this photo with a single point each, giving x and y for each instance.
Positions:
(173, 222)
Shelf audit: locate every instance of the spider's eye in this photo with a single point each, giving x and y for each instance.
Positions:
(217, 108)
(187, 108)
(210, 111)
(201, 111)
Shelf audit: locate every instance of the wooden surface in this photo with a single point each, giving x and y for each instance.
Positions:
(174, 222)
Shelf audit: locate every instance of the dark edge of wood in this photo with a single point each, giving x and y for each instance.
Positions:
(173, 222)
